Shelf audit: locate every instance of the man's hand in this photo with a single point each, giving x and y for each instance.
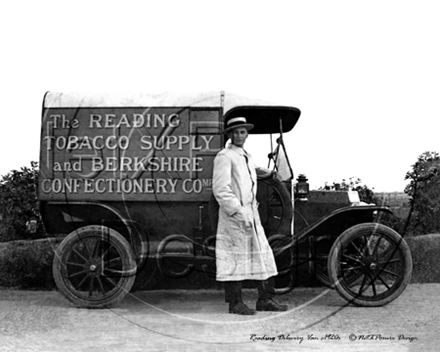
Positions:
(276, 176)
(264, 174)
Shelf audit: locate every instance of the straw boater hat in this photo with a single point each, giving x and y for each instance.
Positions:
(236, 122)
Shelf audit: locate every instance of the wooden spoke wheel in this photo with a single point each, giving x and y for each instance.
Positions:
(94, 267)
(370, 265)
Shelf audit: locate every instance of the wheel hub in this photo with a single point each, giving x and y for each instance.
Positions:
(370, 264)
(93, 267)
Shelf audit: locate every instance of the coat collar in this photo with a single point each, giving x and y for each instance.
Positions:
(238, 150)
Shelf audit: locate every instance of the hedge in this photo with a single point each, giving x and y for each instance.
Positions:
(28, 264)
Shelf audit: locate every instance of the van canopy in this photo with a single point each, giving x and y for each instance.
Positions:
(267, 117)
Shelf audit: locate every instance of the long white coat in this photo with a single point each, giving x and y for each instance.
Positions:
(242, 249)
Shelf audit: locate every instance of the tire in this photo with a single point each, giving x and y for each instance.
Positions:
(168, 262)
(275, 207)
(94, 267)
(370, 265)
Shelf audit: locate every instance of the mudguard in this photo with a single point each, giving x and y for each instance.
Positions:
(336, 222)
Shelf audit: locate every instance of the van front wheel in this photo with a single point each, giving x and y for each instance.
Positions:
(370, 265)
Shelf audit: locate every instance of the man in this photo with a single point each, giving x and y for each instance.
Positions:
(242, 249)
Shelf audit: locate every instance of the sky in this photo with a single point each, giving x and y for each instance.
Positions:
(365, 75)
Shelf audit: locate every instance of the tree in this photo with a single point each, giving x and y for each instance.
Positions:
(18, 202)
(424, 192)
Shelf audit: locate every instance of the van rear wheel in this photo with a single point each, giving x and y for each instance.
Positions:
(94, 267)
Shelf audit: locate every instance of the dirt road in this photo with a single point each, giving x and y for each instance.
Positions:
(319, 320)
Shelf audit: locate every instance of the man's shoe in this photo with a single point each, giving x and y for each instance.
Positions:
(269, 305)
(241, 308)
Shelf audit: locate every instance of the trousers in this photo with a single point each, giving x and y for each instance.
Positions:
(233, 290)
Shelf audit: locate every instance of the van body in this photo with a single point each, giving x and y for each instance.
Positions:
(127, 178)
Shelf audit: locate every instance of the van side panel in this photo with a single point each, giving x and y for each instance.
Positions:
(139, 154)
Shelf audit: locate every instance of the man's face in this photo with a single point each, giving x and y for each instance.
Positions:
(239, 136)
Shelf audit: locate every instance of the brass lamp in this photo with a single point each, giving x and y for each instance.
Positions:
(302, 187)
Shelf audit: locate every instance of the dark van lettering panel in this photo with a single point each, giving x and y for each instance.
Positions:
(129, 154)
